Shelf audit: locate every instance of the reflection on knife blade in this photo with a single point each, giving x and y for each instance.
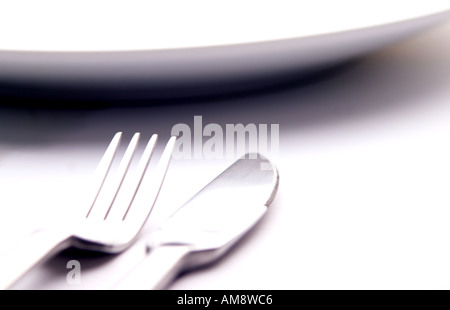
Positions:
(207, 225)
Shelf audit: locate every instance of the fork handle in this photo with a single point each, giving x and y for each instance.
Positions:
(156, 270)
(29, 253)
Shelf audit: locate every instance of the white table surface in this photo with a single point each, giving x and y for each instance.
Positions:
(364, 166)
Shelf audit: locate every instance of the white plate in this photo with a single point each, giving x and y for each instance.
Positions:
(140, 49)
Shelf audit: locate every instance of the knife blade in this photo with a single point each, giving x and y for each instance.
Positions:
(208, 224)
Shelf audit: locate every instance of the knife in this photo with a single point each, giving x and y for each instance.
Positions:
(208, 225)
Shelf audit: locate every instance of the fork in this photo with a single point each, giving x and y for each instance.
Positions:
(118, 208)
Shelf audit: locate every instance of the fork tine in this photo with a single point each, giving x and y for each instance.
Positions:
(112, 184)
(123, 168)
(145, 199)
(103, 168)
(141, 169)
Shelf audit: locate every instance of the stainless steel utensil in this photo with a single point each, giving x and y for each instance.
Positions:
(206, 226)
(110, 225)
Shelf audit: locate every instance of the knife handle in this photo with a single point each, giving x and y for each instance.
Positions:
(160, 267)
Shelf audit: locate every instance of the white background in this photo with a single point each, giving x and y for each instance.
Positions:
(364, 166)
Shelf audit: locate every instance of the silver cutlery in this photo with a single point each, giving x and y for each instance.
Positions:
(116, 211)
(209, 224)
